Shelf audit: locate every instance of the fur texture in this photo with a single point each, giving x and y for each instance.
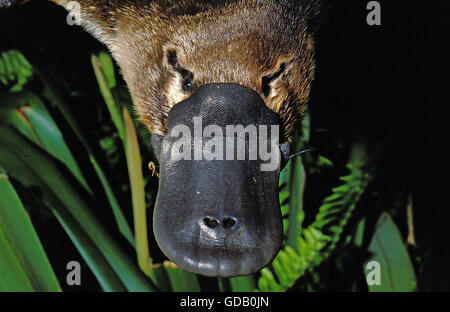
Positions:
(162, 45)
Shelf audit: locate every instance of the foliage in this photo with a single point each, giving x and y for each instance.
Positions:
(23, 263)
(317, 241)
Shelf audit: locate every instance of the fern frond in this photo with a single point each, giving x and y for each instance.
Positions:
(319, 240)
(15, 71)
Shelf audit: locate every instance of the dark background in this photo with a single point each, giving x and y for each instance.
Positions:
(387, 85)
(390, 84)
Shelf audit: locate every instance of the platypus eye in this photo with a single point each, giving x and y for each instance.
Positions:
(268, 79)
(187, 84)
(186, 75)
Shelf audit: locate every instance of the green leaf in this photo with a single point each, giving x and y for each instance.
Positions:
(181, 281)
(121, 221)
(15, 71)
(315, 243)
(51, 138)
(17, 118)
(134, 163)
(34, 120)
(324, 162)
(107, 67)
(104, 71)
(103, 271)
(281, 270)
(359, 235)
(267, 282)
(54, 97)
(24, 266)
(32, 166)
(296, 188)
(160, 278)
(243, 284)
(388, 249)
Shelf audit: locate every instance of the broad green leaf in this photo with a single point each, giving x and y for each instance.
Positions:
(17, 118)
(51, 138)
(388, 249)
(243, 283)
(26, 111)
(30, 164)
(85, 245)
(160, 278)
(181, 281)
(105, 274)
(12, 274)
(24, 266)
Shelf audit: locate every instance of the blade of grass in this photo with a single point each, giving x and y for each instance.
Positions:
(122, 223)
(296, 188)
(102, 64)
(295, 177)
(134, 163)
(104, 72)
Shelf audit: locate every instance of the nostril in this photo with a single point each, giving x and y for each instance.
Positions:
(228, 222)
(210, 222)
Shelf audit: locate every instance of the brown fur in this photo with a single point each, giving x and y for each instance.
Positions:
(218, 41)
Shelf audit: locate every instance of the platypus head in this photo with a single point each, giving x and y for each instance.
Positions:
(197, 69)
(217, 212)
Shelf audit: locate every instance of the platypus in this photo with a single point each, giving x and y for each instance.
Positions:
(204, 76)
